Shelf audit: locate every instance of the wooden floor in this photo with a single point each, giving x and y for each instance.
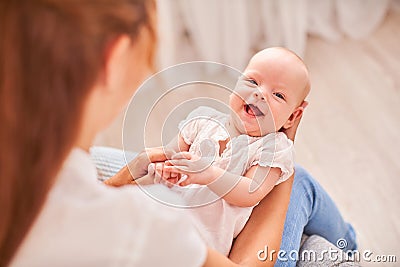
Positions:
(350, 135)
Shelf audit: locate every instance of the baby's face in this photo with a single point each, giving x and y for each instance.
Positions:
(273, 86)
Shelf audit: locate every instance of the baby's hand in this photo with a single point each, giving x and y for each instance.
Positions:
(196, 168)
(162, 174)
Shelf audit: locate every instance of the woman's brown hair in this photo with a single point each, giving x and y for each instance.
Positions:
(51, 54)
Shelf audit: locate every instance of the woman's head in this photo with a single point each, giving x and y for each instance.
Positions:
(269, 95)
(60, 60)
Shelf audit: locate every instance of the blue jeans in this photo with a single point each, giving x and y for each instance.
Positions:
(312, 212)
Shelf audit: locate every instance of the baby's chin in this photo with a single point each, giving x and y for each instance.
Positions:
(254, 131)
(249, 129)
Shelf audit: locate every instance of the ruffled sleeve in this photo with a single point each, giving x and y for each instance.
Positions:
(189, 127)
(276, 151)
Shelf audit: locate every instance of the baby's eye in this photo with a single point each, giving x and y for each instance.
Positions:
(279, 95)
(252, 82)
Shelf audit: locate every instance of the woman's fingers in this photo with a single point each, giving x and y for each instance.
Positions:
(165, 175)
(151, 168)
(169, 173)
(158, 172)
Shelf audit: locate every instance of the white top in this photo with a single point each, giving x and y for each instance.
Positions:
(85, 223)
(219, 222)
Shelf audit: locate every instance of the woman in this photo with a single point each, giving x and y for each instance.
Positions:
(67, 68)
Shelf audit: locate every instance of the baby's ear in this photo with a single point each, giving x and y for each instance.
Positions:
(297, 113)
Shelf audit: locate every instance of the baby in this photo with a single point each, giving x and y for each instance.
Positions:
(229, 162)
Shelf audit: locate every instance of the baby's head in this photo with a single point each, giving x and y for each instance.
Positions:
(269, 95)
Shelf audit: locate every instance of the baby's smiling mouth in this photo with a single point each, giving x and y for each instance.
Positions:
(253, 110)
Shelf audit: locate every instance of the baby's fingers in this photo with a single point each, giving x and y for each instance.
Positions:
(179, 169)
(179, 162)
(185, 181)
(168, 182)
(173, 180)
(182, 155)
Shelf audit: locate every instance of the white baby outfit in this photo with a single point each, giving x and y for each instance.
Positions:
(219, 222)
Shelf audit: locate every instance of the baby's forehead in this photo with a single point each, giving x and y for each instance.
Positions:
(276, 57)
(277, 68)
(283, 65)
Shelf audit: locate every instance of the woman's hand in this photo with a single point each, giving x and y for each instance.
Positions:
(138, 166)
(291, 132)
(162, 175)
(195, 167)
(135, 169)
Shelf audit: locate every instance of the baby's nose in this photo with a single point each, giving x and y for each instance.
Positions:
(258, 95)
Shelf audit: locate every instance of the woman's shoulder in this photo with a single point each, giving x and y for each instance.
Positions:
(124, 225)
(114, 226)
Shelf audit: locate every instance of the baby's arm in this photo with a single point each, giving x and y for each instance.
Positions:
(249, 189)
(244, 191)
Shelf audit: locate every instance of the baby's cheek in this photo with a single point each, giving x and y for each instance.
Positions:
(234, 101)
(242, 92)
(279, 120)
